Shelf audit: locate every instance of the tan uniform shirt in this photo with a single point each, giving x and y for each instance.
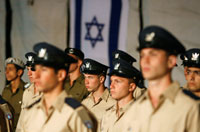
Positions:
(138, 92)
(98, 109)
(78, 89)
(111, 121)
(28, 98)
(14, 99)
(176, 112)
(61, 117)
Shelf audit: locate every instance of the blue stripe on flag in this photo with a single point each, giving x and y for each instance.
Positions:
(114, 28)
(77, 27)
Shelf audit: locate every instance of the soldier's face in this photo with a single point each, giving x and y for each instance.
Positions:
(11, 72)
(73, 66)
(31, 74)
(192, 76)
(46, 78)
(92, 82)
(119, 87)
(154, 63)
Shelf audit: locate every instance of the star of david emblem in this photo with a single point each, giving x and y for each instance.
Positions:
(90, 26)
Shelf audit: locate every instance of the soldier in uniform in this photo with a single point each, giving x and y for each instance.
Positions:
(99, 99)
(119, 54)
(164, 106)
(13, 92)
(31, 94)
(75, 83)
(55, 111)
(6, 116)
(191, 63)
(124, 80)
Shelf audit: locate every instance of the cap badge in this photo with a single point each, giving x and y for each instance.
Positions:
(117, 66)
(185, 58)
(71, 51)
(116, 55)
(30, 58)
(42, 53)
(194, 56)
(87, 65)
(149, 37)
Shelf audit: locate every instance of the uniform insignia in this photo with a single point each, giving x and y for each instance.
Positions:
(116, 55)
(149, 37)
(194, 56)
(71, 51)
(116, 66)
(27, 85)
(72, 102)
(42, 53)
(88, 124)
(9, 116)
(185, 58)
(87, 65)
(30, 58)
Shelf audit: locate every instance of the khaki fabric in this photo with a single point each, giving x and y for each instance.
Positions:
(99, 108)
(78, 89)
(176, 112)
(61, 117)
(138, 92)
(14, 99)
(28, 98)
(111, 122)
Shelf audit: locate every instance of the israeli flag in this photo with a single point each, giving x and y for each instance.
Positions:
(99, 27)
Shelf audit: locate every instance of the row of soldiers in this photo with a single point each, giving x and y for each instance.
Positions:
(67, 92)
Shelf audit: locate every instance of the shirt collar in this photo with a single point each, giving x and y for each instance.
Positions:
(169, 93)
(58, 102)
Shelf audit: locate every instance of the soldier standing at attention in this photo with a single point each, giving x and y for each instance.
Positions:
(31, 94)
(55, 111)
(164, 106)
(13, 92)
(99, 99)
(75, 83)
(124, 80)
(191, 63)
(119, 54)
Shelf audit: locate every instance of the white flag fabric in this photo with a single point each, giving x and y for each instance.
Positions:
(99, 27)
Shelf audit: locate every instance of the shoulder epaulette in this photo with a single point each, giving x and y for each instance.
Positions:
(190, 94)
(31, 105)
(72, 102)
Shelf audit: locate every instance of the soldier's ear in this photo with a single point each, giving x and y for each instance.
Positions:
(61, 74)
(19, 72)
(132, 87)
(102, 79)
(171, 61)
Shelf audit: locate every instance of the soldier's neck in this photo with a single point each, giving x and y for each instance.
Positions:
(50, 96)
(73, 76)
(197, 93)
(157, 87)
(15, 84)
(98, 93)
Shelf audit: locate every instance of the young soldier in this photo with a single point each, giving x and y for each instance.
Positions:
(75, 83)
(31, 94)
(164, 106)
(55, 111)
(191, 63)
(99, 99)
(13, 92)
(124, 80)
(118, 54)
